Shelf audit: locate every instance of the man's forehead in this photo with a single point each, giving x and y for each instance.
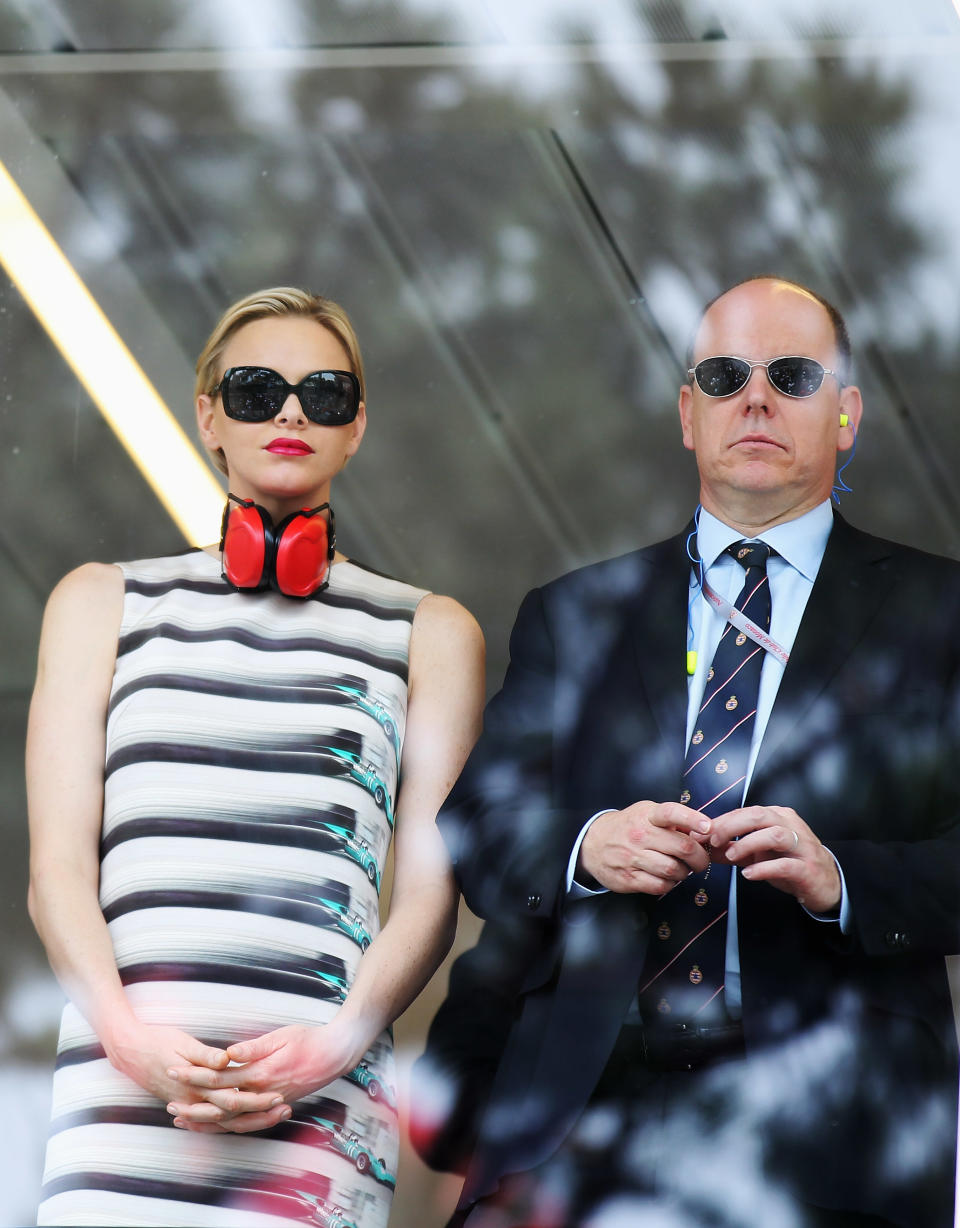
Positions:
(772, 315)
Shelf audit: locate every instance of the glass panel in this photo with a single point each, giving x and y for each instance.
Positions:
(523, 207)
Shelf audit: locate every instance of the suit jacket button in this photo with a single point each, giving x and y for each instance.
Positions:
(533, 902)
(893, 938)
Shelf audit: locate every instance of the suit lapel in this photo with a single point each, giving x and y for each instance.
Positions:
(658, 633)
(849, 590)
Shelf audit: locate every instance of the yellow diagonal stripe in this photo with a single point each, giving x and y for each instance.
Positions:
(108, 371)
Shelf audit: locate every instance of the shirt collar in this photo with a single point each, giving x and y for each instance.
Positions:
(800, 542)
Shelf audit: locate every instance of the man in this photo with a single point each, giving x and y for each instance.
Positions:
(711, 988)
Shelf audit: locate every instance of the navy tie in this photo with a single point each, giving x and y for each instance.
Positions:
(682, 978)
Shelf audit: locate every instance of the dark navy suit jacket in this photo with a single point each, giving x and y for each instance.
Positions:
(863, 742)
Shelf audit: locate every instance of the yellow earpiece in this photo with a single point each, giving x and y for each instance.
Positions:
(844, 420)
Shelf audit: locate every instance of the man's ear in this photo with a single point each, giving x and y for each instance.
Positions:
(685, 405)
(851, 409)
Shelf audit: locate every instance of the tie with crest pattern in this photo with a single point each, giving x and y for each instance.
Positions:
(682, 978)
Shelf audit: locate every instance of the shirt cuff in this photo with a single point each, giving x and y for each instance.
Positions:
(843, 917)
(575, 890)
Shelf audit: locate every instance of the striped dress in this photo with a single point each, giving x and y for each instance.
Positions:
(253, 750)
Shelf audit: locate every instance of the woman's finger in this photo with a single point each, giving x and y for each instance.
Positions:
(248, 1122)
(221, 1105)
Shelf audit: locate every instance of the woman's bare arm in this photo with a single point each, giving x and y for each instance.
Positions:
(66, 738)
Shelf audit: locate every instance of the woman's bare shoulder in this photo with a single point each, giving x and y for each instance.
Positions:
(437, 615)
(91, 588)
(85, 608)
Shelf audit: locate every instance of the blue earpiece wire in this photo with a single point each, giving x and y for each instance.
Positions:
(840, 487)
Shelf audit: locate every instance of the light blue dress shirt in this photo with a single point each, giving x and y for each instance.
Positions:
(799, 546)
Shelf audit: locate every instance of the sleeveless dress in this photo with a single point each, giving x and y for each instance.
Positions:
(253, 750)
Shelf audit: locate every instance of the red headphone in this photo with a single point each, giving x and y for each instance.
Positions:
(292, 557)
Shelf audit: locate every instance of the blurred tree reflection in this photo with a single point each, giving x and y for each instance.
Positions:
(551, 227)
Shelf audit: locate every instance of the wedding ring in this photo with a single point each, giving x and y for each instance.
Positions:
(796, 840)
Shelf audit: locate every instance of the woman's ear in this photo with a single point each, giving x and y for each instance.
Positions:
(359, 425)
(206, 422)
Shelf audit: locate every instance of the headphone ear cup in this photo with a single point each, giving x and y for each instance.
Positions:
(302, 559)
(245, 542)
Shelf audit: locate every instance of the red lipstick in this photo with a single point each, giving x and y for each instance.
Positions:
(289, 447)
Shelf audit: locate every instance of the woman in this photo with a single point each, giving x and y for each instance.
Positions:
(220, 744)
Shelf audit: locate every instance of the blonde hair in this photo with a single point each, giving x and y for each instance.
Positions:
(261, 305)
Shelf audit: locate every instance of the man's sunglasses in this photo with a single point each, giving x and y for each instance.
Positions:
(792, 375)
(256, 394)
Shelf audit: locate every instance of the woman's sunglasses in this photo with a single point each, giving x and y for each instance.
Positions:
(792, 375)
(256, 394)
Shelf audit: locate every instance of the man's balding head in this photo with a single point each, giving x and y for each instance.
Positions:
(840, 333)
